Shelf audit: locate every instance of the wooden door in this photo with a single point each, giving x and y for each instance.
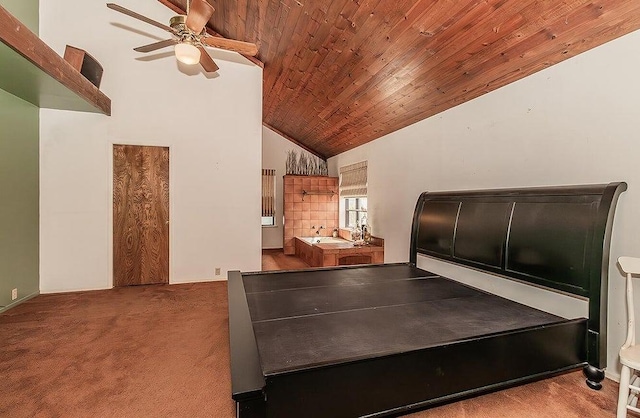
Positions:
(140, 215)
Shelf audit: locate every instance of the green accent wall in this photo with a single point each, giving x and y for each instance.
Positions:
(27, 11)
(19, 199)
(19, 182)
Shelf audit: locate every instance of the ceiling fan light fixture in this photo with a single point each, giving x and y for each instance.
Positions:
(187, 54)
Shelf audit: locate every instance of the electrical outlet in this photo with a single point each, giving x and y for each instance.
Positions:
(14, 294)
(217, 271)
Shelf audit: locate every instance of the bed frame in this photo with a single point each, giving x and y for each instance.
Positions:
(553, 237)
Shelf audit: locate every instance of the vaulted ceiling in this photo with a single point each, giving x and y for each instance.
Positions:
(341, 73)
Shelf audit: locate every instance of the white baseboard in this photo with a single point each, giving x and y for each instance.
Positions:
(612, 376)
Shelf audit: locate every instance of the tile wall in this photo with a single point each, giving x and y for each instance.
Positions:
(315, 209)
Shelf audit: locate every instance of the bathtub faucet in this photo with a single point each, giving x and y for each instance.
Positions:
(317, 230)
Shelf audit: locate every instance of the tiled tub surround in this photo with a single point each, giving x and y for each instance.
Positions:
(339, 252)
(322, 240)
(305, 213)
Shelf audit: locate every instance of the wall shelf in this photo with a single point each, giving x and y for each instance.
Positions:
(322, 192)
(32, 71)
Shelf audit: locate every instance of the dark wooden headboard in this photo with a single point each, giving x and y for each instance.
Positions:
(555, 237)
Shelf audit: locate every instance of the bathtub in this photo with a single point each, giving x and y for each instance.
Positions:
(336, 252)
(322, 240)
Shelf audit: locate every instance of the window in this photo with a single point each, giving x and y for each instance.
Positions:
(353, 192)
(355, 208)
(268, 197)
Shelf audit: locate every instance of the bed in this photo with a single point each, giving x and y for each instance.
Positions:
(387, 339)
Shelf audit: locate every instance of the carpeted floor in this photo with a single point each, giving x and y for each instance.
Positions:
(153, 351)
(162, 351)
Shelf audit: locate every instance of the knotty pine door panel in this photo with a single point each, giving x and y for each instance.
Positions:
(140, 215)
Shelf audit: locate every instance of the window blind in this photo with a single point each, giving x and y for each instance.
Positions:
(268, 192)
(353, 180)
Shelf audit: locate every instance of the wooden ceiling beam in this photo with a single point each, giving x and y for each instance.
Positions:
(45, 79)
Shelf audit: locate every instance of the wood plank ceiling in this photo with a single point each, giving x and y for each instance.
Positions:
(341, 73)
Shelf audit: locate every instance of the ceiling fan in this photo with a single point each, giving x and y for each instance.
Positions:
(190, 36)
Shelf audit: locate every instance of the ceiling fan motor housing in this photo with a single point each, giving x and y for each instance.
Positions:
(184, 34)
(178, 22)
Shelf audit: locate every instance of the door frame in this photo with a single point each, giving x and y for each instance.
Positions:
(110, 145)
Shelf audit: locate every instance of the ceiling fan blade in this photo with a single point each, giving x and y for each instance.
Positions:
(156, 45)
(206, 61)
(138, 16)
(200, 12)
(245, 48)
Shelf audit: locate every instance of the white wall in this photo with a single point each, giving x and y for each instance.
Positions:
(573, 123)
(211, 124)
(274, 155)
